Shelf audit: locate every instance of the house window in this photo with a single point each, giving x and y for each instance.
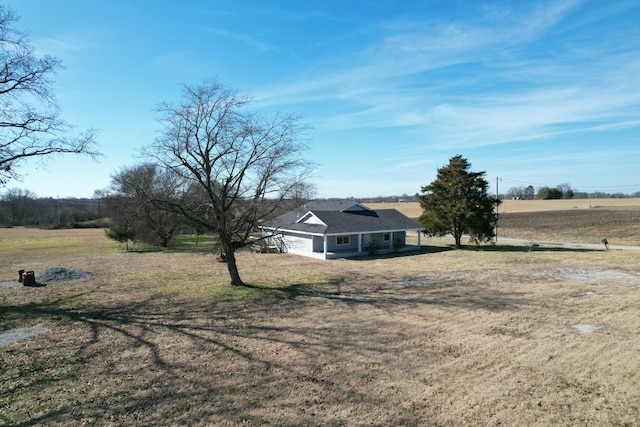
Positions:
(342, 240)
(386, 237)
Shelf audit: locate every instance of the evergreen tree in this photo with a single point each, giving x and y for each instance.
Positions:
(457, 203)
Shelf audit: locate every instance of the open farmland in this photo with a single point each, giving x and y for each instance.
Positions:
(620, 226)
(484, 335)
(579, 221)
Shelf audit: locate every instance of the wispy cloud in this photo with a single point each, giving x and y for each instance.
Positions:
(479, 82)
(243, 38)
(62, 45)
(536, 114)
(407, 48)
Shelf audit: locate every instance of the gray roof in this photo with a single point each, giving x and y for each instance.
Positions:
(340, 220)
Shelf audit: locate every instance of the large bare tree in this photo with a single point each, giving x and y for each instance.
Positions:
(238, 164)
(30, 122)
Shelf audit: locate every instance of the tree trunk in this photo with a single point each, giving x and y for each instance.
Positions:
(230, 257)
(457, 233)
(458, 236)
(233, 270)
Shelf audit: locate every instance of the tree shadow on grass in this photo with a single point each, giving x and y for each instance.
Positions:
(185, 361)
(133, 331)
(296, 290)
(411, 290)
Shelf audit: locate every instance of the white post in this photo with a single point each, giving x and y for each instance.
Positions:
(359, 242)
(419, 236)
(325, 246)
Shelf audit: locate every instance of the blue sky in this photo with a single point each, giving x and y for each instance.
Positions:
(532, 92)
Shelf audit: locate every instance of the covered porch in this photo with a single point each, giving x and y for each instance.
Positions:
(361, 244)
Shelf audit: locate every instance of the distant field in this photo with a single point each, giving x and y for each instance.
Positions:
(413, 210)
(619, 225)
(578, 221)
(550, 205)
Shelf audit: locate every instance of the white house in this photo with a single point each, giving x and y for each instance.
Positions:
(328, 230)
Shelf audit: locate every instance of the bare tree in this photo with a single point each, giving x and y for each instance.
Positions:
(565, 189)
(137, 204)
(121, 228)
(516, 192)
(18, 204)
(30, 123)
(236, 163)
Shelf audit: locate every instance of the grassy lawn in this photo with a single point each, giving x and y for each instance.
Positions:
(482, 335)
(194, 243)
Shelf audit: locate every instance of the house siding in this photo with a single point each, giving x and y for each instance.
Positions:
(297, 243)
(318, 244)
(333, 246)
(377, 239)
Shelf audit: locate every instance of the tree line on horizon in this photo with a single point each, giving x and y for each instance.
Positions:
(22, 207)
(561, 191)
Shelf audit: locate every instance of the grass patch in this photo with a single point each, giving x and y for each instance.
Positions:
(194, 242)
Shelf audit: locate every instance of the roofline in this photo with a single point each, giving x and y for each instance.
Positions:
(314, 215)
(289, 229)
(359, 204)
(374, 231)
(343, 233)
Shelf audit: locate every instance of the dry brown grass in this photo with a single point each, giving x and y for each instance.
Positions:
(471, 337)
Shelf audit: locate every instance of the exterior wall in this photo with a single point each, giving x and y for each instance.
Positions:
(318, 244)
(377, 239)
(333, 246)
(297, 243)
(290, 242)
(401, 237)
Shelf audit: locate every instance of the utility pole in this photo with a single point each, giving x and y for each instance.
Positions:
(497, 207)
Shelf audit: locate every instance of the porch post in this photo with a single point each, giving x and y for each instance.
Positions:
(391, 240)
(325, 246)
(359, 242)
